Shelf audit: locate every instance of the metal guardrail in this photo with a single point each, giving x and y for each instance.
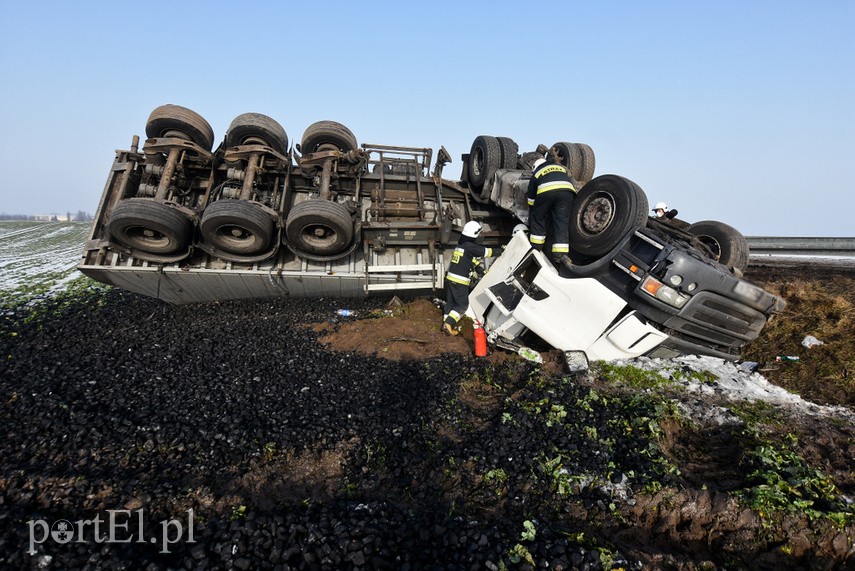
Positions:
(802, 246)
(827, 252)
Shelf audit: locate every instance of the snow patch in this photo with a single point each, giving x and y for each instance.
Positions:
(33, 253)
(732, 382)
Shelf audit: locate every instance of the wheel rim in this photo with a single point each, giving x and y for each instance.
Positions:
(175, 134)
(235, 237)
(253, 140)
(319, 235)
(145, 236)
(597, 215)
(477, 162)
(712, 245)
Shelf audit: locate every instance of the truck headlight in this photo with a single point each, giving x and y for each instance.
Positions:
(654, 288)
(748, 291)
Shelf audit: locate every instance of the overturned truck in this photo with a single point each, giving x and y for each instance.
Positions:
(185, 221)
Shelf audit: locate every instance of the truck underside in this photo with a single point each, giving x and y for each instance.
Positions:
(258, 217)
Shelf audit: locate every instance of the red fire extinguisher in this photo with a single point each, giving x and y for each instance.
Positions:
(480, 340)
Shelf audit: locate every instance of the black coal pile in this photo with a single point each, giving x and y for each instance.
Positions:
(138, 435)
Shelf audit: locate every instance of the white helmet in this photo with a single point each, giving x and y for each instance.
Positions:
(537, 163)
(472, 229)
(660, 205)
(519, 228)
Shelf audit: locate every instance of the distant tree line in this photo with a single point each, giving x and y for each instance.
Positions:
(80, 216)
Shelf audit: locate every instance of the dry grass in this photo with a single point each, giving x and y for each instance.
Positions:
(821, 304)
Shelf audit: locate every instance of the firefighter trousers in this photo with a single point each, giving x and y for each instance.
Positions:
(457, 301)
(555, 206)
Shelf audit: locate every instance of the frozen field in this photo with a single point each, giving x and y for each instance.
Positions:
(39, 256)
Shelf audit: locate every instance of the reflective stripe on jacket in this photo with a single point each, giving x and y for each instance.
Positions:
(463, 259)
(548, 177)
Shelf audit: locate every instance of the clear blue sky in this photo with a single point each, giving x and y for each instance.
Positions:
(739, 111)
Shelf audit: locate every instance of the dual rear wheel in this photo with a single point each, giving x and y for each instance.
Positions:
(150, 227)
(237, 227)
(578, 158)
(154, 227)
(487, 155)
(242, 227)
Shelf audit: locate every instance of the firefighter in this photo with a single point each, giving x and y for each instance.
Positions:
(661, 212)
(467, 255)
(550, 196)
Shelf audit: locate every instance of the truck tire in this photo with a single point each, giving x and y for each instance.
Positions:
(319, 227)
(588, 163)
(726, 244)
(485, 158)
(570, 156)
(327, 136)
(149, 226)
(237, 227)
(173, 118)
(605, 210)
(249, 126)
(510, 152)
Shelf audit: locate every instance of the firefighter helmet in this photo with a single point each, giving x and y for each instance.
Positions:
(472, 229)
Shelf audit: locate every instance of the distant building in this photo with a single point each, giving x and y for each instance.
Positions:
(80, 216)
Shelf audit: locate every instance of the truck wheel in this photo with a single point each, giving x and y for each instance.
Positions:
(149, 226)
(510, 152)
(485, 158)
(327, 136)
(588, 163)
(249, 126)
(605, 210)
(726, 244)
(168, 120)
(319, 227)
(570, 156)
(237, 226)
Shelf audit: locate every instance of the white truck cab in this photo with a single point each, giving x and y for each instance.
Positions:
(523, 292)
(651, 294)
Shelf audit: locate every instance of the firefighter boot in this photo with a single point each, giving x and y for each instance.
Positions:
(561, 260)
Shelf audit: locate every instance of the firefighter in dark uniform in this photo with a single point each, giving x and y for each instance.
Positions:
(467, 255)
(550, 195)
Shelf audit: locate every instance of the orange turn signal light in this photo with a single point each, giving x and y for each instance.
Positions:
(651, 285)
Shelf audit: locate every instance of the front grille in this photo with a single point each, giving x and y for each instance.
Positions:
(703, 333)
(719, 320)
(731, 318)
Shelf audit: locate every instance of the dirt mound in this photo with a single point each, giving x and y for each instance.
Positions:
(405, 331)
(399, 331)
